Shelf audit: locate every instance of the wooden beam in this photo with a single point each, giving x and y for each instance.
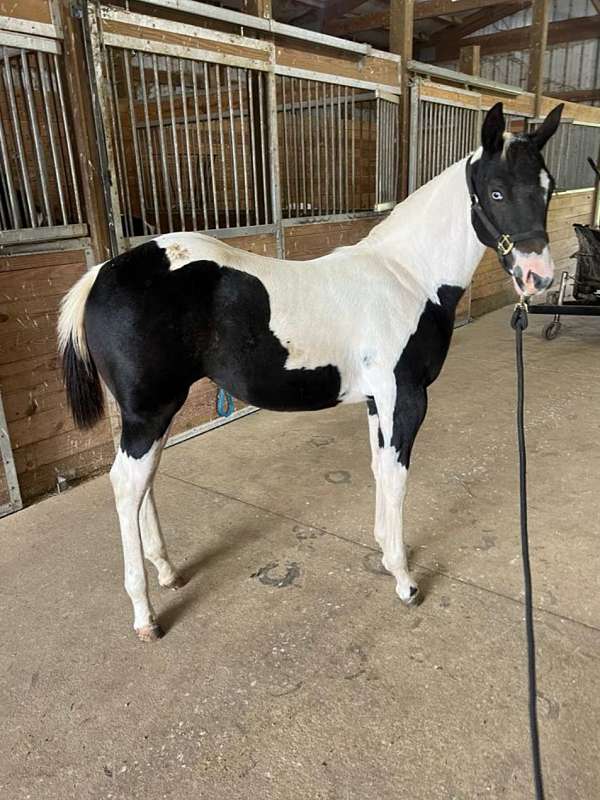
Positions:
(80, 103)
(338, 8)
(538, 39)
(258, 8)
(401, 16)
(469, 60)
(423, 10)
(567, 30)
(575, 95)
(477, 21)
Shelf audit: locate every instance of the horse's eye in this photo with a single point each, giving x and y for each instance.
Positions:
(497, 195)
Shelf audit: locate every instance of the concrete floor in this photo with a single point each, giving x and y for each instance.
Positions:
(326, 688)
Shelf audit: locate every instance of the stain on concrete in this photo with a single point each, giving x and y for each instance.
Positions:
(338, 476)
(321, 441)
(268, 576)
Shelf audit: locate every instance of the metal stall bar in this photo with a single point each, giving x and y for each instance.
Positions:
(66, 135)
(253, 146)
(169, 63)
(15, 502)
(222, 142)
(311, 152)
(136, 148)
(244, 145)
(303, 206)
(188, 150)
(43, 76)
(274, 162)
(163, 144)
(233, 148)
(286, 146)
(120, 159)
(14, 211)
(261, 109)
(37, 143)
(210, 145)
(150, 149)
(18, 136)
(203, 191)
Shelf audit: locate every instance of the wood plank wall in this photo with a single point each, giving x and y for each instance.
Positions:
(44, 439)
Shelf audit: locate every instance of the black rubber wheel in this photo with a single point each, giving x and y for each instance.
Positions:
(551, 330)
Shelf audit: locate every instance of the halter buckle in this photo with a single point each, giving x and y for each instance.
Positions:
(505, 244)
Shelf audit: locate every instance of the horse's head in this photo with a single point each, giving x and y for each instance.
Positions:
(510, 189)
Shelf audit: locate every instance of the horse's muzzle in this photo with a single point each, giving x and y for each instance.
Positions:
(532, 273)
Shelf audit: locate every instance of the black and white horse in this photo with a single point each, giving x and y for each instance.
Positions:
(371, 322)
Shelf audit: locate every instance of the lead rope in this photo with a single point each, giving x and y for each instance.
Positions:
(519, 324)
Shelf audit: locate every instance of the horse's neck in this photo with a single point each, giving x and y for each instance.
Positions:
(430, 234)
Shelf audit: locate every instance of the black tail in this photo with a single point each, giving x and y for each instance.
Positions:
(84, 390)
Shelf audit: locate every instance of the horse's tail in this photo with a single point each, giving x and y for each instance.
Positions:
(82, 382)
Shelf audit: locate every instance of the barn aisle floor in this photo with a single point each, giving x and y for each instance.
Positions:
(325, 687)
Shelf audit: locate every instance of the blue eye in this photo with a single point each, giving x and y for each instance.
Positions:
(497, 196)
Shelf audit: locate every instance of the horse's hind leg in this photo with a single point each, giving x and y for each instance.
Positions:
(131, 475)
(153, 543)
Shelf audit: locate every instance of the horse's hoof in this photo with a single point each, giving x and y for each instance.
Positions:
(415, 598)
(149, 633)
(177, 582)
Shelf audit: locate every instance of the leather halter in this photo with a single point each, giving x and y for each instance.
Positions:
(503, 243)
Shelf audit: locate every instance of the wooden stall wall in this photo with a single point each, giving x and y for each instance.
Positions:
(45, 442)
(311, 240)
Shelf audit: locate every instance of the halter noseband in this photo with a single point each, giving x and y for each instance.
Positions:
(503, 243)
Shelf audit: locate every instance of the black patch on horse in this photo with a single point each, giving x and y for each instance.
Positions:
(419, 365)
(175, 327)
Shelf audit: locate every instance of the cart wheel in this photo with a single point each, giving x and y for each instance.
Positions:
(551, 330)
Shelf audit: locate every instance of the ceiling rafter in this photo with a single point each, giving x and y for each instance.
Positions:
(423, 10)
(480, 19)
(567, 30)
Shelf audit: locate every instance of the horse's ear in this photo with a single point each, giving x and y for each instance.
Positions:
(548, 127)
(492, 129)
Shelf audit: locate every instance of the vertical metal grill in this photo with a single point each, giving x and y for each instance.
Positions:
(445, 134)
(388, 151)
(199, 139)
(38, 178)
(567, 152)
(333, 139)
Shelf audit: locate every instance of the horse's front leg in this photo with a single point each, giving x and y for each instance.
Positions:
(399, 425)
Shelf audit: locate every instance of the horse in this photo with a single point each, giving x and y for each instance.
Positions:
(369, 323)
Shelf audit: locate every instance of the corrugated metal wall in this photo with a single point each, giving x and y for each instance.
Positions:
(575, 65)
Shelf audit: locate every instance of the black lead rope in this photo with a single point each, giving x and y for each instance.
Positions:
(519, 323)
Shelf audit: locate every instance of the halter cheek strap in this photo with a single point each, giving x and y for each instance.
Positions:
(503, 243)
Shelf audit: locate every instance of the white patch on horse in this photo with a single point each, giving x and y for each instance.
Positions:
(545, 182)
(132, 479)
(177, 254)
(508, 140)
(72, 311)
(476, 155)
(365, 299)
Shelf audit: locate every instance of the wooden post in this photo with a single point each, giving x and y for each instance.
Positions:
(469, 60)
(258, 8)
(80, 103)
(537, 49)
(401, 42)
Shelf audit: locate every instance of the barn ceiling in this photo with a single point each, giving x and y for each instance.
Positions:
(440, 26)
